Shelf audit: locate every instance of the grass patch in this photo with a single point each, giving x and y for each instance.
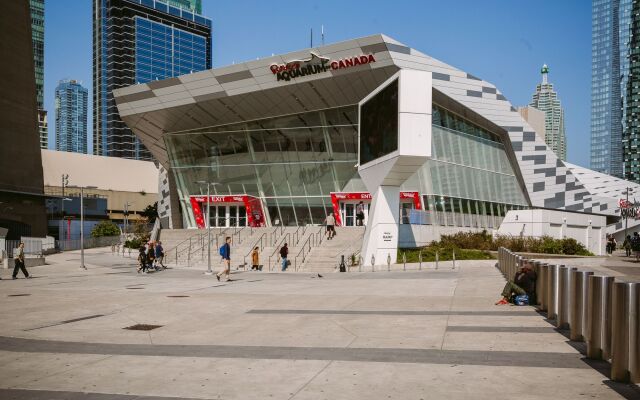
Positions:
(444, 254)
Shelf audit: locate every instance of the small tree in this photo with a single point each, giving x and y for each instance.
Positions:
(105, 228)
(150, 212)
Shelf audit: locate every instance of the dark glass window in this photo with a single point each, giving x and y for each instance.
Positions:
(379, 124)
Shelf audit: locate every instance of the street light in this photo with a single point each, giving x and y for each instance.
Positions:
(82, 188)
(209, 184)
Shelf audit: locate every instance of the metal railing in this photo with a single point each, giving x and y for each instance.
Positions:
(89, 243)
(315, 239)
(601, 310)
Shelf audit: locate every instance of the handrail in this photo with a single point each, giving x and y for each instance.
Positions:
(277, 247)
(244, 259)
(316, 238)
(237, 232)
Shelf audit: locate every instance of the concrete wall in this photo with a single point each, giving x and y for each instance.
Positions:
(587, 229)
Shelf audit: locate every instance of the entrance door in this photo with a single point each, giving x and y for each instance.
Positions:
(405, 212)
(348, 213)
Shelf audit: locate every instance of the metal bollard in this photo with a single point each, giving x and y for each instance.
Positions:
(564, 278)
(542, 271)
(552, 292)
(420, 260)
(624, 330)
(598, 333)
(437, 259)
(578, 304)
(389, 262)
(454, 260)
(373, 263)
(404, 261)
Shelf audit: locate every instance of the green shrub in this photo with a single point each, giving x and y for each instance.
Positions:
(482, 242)
(133, 243)
(105, 228)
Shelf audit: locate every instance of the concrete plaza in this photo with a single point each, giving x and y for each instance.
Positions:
(430, 334)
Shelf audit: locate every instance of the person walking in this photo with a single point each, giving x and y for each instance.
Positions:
(18, 260)
(160, 255)
(331, 222)
(255, 259)
(151, 255)
(360, 214)
(225, 252)
(142, 260)
(627, 245)
(635, 245)
(284, 252)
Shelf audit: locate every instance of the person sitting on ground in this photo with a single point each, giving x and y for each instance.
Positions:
(255, 259)
(524, 282)
(151, 256)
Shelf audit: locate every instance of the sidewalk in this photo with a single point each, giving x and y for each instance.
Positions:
(402, 335)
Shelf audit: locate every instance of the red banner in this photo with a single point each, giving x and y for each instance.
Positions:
(255, 215)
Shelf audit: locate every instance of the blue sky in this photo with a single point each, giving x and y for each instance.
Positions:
(502, 41)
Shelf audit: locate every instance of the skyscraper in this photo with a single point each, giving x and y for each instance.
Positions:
(138, 41)
(609, 78)
(631, 100)
(546, 99)
(71, 116)
(37, 38)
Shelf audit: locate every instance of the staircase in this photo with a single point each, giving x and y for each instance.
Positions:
(326, 257)
(188, 248)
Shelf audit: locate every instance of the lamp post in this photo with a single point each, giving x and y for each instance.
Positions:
(209, 184)
(82, 266)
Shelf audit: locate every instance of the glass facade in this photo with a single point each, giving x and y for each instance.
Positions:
(140, 41)
(71, 117)
(631, 101)
(292, 164)
(609, 78)
(164, 51)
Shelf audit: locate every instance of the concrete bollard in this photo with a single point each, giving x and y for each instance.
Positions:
(564, 287)
(537, 266)
(541, 285)
(598, 331)
(552, 292)
(624, 330)
(578, 304)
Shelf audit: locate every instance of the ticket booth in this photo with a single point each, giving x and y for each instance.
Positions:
(228, 211)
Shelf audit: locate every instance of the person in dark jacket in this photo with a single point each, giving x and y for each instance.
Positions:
(225, 252)
(151, 255)
(524, 282)
(142, 260)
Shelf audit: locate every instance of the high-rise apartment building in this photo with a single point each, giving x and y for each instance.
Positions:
(611, 24)
(546, 100)
(71, 116)
(139, 41)
(36, 8)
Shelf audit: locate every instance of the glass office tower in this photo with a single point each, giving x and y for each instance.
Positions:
(37, 39)
(71, 116)
(139, 41)
(609, 79)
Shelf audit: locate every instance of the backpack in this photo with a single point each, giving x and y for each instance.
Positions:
(522, 300)
(221, 251)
